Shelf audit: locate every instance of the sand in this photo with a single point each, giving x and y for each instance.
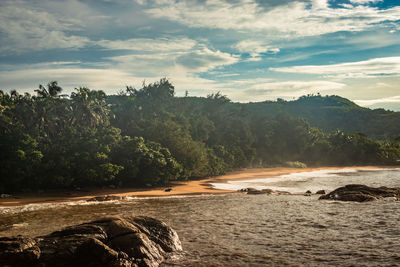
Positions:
(201, 186)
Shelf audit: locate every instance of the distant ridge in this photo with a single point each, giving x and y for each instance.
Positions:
(330, 113)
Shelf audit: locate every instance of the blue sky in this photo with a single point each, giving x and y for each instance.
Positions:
(250, 50)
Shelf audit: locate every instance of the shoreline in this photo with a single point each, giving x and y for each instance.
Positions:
(179, 188)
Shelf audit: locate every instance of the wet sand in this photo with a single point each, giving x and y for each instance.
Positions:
(192, 187)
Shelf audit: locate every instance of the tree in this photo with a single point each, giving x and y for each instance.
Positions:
(53, 90)
(89, 107)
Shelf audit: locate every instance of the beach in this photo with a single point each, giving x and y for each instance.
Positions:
(221, 228)
(192, 187)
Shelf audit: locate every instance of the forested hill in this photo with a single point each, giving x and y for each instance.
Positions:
(149, 136)
(330, 113)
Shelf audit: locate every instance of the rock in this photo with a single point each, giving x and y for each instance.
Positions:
(307, 193)
(247, 189)
(253, 191)
(106, 198)
(361, 193)
(320, 192)
(168, 190)
(18, 251)
(114, 241)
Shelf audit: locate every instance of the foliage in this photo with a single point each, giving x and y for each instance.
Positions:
(149, 136)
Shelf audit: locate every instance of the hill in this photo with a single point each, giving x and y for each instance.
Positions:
(330, 113)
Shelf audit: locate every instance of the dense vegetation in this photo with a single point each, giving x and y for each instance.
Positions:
(149, 136)
(334, 112)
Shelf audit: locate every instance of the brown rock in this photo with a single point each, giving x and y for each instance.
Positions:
(18, 251)
(361, 193)
(114, 241)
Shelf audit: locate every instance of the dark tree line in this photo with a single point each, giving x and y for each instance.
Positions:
(149, 136)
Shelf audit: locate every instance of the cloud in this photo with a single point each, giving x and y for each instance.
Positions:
(149, 44)
(371, 102)
(106, 79)
(255, 48)
(363, 2)
(30, 28)
(167, 57)
(320, 3)
(293, 19)
(391, 103)
(179, 64)
(377, 67)
(268, 89)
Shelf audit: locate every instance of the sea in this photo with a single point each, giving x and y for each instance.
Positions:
(252, 230)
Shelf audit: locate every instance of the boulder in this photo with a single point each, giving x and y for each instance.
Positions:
(320, 192)
(18, 251)
(113, 241)
(361, 193)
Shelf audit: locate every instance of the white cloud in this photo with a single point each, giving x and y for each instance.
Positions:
(69, 78)
(364, 1)
(377, 67)
(292, 19)
(170, 57)
(149, 45)
(371, 102)
(267, 89)
(255, 48)
(110, 80)
(31, 29)
(320, 3)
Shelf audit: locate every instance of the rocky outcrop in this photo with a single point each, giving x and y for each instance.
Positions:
(114, 241)
(361, 193)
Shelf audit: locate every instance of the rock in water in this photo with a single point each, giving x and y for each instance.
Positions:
(361, 193)
(114, 241)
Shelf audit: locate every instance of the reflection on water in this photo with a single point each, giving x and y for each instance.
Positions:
(249, 230)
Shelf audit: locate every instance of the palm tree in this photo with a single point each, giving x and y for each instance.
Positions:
(53, 90)
(89, 107)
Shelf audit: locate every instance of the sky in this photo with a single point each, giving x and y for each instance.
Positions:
(249, 50)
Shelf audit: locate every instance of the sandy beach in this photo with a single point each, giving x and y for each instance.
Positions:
(201, 186)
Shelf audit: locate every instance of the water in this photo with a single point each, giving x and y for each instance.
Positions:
(252, 230)
(317, 180)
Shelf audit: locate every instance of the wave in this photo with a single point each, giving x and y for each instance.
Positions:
(314, 180)
(53, 205)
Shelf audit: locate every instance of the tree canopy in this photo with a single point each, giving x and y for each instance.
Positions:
(149, 136)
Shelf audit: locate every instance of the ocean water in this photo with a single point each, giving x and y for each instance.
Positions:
(252, 230)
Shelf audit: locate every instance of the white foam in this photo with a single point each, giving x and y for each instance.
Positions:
(298, 182)
(43, 206)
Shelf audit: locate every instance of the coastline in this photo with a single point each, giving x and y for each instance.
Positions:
(193, 187)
